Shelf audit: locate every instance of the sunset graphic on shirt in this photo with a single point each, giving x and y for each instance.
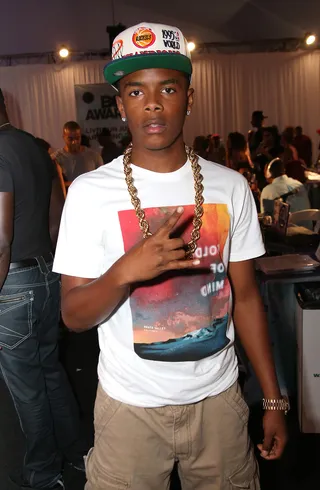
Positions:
(182, 315)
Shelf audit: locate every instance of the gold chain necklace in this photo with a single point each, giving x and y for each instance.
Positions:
(198, 187)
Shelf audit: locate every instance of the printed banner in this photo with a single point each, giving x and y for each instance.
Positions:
(97, 109)
(182, 316)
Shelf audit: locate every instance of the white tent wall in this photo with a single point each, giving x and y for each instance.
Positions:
(40, 98)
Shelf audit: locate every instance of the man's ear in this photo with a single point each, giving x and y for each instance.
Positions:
(120, 106)
(190, 99)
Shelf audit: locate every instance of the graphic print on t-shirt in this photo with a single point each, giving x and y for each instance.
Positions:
(182, 316)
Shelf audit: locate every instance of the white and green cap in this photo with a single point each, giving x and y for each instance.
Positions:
(148, 46)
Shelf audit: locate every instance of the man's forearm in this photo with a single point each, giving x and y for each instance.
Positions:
(4, 264)
(251, 326)
(88, 305)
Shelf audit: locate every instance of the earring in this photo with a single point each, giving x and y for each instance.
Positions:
(124, 119)
(188, 113)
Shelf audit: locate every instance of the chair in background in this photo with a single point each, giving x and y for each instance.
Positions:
(306, 215)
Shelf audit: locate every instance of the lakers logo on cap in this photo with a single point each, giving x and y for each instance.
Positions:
(143, 37)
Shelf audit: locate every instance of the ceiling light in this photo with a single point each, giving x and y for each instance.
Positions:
(191, 46)
(310, 39)
(64, 53)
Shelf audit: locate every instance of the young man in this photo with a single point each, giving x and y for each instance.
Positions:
(74, 158)
(149, 248)
(31, 203)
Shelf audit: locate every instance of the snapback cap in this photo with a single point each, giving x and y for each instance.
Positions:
(148, 46)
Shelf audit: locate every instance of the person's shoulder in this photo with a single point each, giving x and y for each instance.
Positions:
(92, 152)
(57, 153)
(294, 182)
(13, 135)
(268, 189)
(305, 137)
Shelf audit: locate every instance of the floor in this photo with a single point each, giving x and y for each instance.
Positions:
(298, 470)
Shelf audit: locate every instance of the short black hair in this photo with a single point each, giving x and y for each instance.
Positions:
(71, 126)
(277, 168)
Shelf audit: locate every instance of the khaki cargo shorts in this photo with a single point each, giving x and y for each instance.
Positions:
(136, 448)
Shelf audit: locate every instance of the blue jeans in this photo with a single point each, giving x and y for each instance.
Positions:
(29, 363)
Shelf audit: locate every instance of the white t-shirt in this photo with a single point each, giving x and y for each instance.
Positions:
(171, 341)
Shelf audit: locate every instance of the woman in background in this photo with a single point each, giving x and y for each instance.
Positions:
(238, 154)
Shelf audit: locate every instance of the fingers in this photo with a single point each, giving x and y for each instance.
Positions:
(168, 226)
(268, 455)
(267, 444)
(280, 444)
(174, 244)
(182, 264)
(179, 254)
(273, 455)
(275, 451)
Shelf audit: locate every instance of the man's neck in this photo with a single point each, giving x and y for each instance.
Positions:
(162, 161)
(73, 152)
(278, 177)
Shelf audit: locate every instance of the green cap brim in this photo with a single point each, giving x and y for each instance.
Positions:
(117, 69)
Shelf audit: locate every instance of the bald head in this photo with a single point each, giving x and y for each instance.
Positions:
(72, 136)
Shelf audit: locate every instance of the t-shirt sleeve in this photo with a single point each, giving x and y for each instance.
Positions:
(246, 239)
(80, 250)
(6, 181)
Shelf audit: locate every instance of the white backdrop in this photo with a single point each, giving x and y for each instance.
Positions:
(286, 86)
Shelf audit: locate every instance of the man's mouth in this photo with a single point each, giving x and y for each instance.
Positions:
(154, 126)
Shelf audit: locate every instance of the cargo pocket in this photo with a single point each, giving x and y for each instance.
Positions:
(246, 477)
(15, 318)
(236, 402)
(106, 481)
(104, 410)
(99, 478)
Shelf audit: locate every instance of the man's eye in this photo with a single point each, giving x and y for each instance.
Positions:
(135, 93)
(168, 90)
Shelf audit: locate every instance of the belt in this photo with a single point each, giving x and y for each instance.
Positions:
(30, 262)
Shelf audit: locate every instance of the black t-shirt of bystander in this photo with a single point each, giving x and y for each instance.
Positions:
(27, 171)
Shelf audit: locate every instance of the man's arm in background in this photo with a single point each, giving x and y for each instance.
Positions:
(6, 233)
(100, 161)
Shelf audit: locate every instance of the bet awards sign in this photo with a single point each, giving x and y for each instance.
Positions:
(97, 109)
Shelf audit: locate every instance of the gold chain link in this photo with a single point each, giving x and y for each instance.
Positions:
(198, 187)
